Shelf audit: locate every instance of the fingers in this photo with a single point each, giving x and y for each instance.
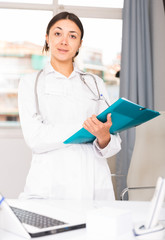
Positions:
(109, 120)
(94, 119)
(90, 124)
(99, 129)
(109, 117)
(93, 123)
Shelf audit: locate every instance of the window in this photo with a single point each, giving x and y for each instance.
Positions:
(20, 53)
(101, 51)
(94, 3)
(31, 1)
(23, 24)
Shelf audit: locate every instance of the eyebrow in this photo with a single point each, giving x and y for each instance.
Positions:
(69, 31)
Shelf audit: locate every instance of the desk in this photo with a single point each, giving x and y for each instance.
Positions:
(138, 210)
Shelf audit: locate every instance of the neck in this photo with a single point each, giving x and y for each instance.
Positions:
(62, 67)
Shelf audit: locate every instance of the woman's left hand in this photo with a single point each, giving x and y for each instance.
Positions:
(99, 129)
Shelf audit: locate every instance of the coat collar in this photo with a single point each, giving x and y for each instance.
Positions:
(49, 69)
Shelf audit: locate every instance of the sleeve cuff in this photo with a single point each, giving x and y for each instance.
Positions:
(113, 147)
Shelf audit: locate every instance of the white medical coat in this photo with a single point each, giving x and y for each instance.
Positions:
(64, 171)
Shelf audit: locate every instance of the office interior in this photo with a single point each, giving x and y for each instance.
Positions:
(21, 56)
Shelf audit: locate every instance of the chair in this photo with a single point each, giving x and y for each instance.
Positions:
(148, 160)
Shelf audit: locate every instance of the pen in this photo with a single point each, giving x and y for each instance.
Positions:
(101, 95)
(2, 199)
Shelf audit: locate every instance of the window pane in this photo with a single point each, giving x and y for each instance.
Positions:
(21, 41)
(94, 3)
(30, 1)
(24, 25)
(100, 52)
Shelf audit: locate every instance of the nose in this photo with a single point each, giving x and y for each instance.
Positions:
(64, 40)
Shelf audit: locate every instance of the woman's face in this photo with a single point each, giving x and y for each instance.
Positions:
(64, 40)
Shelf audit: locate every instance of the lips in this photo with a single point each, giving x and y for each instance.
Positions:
(62, 50)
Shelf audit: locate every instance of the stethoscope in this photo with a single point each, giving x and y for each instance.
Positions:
(98, 96)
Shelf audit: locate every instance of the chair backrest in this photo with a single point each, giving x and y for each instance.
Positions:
(148, 159)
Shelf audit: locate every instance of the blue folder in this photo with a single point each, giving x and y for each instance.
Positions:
(124, 113)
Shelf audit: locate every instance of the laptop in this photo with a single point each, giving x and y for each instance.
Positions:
(30, 224)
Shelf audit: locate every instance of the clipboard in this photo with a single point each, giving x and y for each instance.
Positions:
(124, 114)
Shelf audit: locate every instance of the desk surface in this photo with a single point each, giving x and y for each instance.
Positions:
(138, 211)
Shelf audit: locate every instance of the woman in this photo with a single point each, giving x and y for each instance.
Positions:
(58, 170)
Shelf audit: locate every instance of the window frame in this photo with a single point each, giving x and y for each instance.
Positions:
(81, 11)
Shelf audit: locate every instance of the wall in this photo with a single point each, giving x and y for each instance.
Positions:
(15, 158)
(112, 165)
(148, 157)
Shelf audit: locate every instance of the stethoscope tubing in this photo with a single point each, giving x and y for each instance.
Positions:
(35, 93)
(100, 96)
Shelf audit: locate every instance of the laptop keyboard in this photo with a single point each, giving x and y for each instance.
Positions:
(35, 219)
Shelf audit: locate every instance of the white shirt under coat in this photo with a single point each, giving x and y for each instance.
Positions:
(58, 170)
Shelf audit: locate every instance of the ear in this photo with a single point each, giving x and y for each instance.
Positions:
(47, 39)
(80, 43)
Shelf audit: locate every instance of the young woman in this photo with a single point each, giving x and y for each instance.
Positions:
(66, 102)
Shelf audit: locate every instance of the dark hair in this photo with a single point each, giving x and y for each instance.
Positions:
(60, 16)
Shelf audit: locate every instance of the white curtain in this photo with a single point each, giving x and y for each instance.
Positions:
(137, 70)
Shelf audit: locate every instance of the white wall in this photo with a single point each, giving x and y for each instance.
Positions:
(15, 158)
(148, 159)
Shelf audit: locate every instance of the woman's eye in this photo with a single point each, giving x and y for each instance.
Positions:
(73, 36)
(57, 34)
